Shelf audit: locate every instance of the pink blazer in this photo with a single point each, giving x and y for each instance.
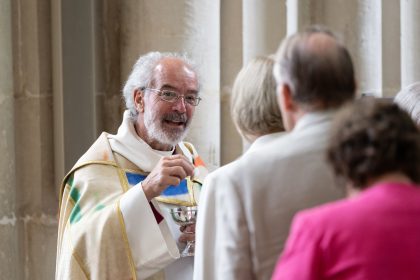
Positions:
(375, 235)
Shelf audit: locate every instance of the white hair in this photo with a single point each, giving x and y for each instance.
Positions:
(408, 99)
(142, 73)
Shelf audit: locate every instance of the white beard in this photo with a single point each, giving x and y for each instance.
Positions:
(156, 132)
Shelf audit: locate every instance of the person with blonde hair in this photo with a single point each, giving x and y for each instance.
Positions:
(258, 119)
(254, 109)
(409, 100)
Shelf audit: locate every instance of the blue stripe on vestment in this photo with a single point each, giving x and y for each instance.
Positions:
(134, 179)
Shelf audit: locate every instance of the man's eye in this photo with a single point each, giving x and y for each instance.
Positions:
(169, 94)
(190, 98)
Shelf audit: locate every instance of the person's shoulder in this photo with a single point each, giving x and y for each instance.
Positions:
(239, 171)
(225, 173)
(99, 154)
(225, 170)
(271, 153)
(225, 181)
(324, 213)
(100, 150)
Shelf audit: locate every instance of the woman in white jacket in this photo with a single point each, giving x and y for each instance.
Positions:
(257, 117)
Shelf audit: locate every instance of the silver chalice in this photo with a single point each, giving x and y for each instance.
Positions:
(184, 216)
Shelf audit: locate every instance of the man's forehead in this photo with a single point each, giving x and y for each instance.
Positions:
(174, 70)
(169, 64)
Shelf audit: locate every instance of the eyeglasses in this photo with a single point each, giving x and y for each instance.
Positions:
(172, 96)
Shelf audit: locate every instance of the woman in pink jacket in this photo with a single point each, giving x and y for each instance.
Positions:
(375, 232)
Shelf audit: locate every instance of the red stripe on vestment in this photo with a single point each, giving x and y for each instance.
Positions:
(158, 216)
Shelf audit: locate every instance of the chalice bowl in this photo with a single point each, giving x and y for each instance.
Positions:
(184, 216)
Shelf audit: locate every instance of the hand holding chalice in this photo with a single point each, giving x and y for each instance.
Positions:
(184, 216)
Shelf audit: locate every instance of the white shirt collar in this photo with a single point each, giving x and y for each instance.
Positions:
(312, 118)
(128, 144)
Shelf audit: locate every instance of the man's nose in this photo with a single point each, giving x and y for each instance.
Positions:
(180, 105)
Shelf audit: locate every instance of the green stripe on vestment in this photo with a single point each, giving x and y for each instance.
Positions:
(75, 214)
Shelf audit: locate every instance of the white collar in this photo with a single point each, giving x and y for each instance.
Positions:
(264, 140)
(128, 144)
(311, 118)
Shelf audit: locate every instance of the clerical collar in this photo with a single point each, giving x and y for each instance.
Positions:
(128, 144)
(165, 153)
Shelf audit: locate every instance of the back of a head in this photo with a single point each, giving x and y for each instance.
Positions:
(317, 68)
(371, 138)
(409, 100)
(254, 106)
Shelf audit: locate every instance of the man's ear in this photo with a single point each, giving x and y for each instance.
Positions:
(139, 100)
(285, 98)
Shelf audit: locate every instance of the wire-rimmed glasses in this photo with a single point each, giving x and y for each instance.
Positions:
(173, 96)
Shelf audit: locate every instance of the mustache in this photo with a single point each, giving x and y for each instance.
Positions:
(175, 117)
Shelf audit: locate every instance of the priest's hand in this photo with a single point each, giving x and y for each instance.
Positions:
(170, 170)
(188, 233)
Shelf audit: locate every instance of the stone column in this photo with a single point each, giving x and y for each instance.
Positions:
(264, 25)
(298, 15)
(410, 42)
(231, 42)
(78, 78)
(181, 26)
(108, 81)
(9, 254)
(391, 48)
(36, 199)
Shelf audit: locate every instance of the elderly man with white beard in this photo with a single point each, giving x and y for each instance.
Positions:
(114, 219)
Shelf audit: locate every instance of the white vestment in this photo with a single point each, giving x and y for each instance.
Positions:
(107, 227)
(246, 206)
(128, 144)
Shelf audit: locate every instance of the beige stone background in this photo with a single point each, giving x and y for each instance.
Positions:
(63, 64)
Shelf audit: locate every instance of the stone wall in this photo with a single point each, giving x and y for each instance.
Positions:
(9, 240)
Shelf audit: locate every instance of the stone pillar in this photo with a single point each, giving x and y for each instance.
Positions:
(78, 79)
(367, 46)
(391, 48)
(57, 87)
(264, 25)
(231, 62)
(183, 26)
(410, 42)
(9, 254)
(298, 15)
(108, 81)
(203, 42)
(36, 199)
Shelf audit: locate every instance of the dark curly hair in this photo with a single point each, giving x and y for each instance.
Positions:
(372, 137)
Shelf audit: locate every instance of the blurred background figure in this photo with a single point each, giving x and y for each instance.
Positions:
(258, 119)
(254, 107)
(409, 100)
(374, 234)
